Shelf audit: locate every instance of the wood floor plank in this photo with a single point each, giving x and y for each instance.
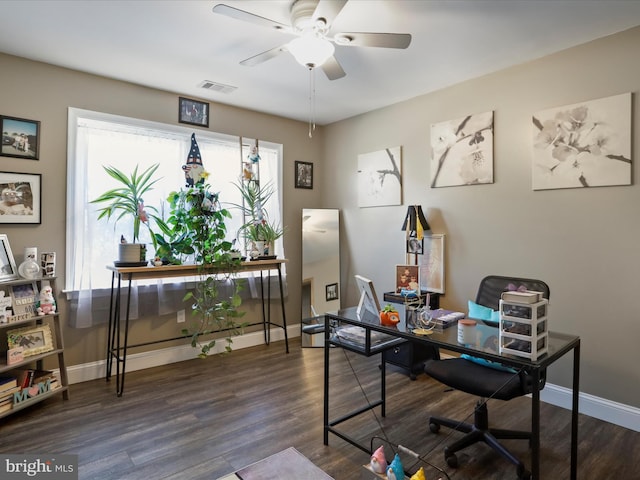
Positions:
(202, 419)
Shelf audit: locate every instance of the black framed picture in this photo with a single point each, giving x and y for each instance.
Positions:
(415, 246)
(331, 292)
(304, 174)
(20, 138)
(20, 197)
(193, 112)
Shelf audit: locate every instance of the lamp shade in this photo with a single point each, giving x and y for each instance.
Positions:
(310, 50)
(415, 222)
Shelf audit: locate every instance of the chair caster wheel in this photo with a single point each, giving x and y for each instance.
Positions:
(434, 427)
(451, 459)
(523, 474)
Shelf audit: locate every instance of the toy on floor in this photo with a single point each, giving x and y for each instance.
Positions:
(378, 460)
(395, 471)
(419, 475)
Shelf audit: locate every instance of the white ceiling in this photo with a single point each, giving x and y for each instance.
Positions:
(175, 45)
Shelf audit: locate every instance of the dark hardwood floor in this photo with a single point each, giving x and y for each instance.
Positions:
(202, 419)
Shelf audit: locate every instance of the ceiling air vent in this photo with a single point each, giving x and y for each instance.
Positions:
(217, 87)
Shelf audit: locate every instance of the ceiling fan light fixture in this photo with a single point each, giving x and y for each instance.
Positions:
(310, 50)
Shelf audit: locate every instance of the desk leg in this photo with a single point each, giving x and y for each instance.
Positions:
(383, 386)
(535, 427)
(575, 411)
(284, 315)
(327, 326)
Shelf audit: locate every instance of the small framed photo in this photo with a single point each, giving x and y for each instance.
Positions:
(331, 292)
(193, 112)
(24, 299)
(34, 340)
(20, 138)
(20, 197)
(407, 278)
(415, 246)
(8, 269)
(304, 174)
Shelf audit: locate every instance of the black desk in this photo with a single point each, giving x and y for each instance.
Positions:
(117, 343)
(559, 345)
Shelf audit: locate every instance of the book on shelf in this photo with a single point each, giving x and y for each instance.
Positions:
(7, 395)
(7, 383)
(29, 377)
(526, 296)
(6, 407)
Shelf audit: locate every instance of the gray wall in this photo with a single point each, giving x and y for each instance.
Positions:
(42, 92)
(583, 243)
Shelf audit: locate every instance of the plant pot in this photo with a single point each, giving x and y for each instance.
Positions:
(132, 252)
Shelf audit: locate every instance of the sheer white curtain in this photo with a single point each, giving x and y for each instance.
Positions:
(96, 140)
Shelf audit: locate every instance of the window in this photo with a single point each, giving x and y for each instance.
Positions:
(97, 140)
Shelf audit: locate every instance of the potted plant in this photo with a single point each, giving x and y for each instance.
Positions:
(196, 225)
(127, 200)
(259, 232)
(389, 316)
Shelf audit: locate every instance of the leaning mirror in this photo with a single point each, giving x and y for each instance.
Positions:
(320, 271)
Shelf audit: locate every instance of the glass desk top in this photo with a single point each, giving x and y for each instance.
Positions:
(486, 345)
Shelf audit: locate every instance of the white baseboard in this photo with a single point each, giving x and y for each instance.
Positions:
(600, 408)
(164, 356)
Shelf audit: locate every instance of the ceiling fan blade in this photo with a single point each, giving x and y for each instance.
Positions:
(329, 10)
(264, 56)
(238, 14)
(365, 39)
(332, 69)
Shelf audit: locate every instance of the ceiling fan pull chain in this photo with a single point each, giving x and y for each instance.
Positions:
(312, 101)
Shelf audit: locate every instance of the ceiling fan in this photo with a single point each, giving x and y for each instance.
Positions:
(311, 23)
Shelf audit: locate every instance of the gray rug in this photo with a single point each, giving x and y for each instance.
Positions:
(288, 464)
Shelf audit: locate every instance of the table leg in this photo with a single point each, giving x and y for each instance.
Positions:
(120, 378)
(111, 330)
(284, 315)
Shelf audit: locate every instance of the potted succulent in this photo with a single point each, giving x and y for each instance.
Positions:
(389, 316)
(127, 200)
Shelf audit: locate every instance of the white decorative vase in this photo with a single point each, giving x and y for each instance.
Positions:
(29, 268)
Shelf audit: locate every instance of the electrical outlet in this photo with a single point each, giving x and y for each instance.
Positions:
(181, 316)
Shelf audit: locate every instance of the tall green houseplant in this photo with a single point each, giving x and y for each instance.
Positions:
(127, 199)
(197, 218)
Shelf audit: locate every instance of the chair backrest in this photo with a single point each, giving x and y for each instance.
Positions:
(492, 286)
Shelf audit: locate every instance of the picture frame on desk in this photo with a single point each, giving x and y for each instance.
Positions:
(8, 269)
(407, 278)
(34, 340)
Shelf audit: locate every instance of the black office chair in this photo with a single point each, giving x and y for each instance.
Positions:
(485, 382)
